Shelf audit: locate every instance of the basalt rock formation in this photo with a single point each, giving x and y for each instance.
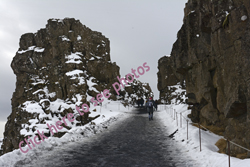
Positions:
(171, 87)
(136, 90)
(57, 68)
(212, 55)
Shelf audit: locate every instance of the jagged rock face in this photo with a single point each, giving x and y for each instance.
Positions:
(166, 79)
(212, 55)
(56, 68)
(136, 90)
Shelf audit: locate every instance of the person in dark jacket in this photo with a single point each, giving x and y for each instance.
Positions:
(150, 108)
(156, 103)
(138, 102)
(142, 102)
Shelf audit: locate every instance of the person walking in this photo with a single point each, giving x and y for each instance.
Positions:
(142, 102)
(149, 106)
(138, 102)
(156, 103)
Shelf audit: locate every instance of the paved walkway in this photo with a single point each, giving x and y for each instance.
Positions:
(136, 142)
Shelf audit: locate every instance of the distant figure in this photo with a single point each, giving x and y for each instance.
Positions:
(138, 102)
(156, 103)
(150, 108)
(146, 102)
(142, 102)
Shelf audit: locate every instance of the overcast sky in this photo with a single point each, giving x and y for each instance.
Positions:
(139, 31)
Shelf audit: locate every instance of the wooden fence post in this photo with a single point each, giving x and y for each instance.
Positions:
(228, 145)
(174, 114)
(176, 118)
(181, 120)
(200, 135)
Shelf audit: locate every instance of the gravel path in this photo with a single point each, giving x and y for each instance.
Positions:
(132, 142)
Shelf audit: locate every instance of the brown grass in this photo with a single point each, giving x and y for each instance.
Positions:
(242, 155)
(221, 144)
(196, 125)
(217, 130)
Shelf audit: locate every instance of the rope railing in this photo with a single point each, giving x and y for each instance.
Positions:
(239, 146)
(173, 114)
(226, 139)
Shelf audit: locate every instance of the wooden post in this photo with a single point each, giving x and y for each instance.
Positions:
(200, 135)
(176, 119)
(174, 114)
(181, 120)
(228, 145)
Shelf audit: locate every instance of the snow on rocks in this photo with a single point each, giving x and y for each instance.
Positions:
(243, 18)
(34, 48)
(110, 114)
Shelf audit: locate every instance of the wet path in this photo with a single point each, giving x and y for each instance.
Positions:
(136, 142)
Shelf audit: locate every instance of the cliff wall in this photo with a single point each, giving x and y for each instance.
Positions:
(212, 55)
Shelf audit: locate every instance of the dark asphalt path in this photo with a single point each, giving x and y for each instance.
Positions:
(136, 142)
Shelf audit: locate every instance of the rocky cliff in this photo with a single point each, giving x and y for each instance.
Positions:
(136, 90)
(57, 68)
(171, 87)
(212, 55)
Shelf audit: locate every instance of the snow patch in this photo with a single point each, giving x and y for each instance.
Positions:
(74, 58)
(64, 38)
(76, 74)
(79, 38)
(38, 49)
(34, 48)
(243, 18)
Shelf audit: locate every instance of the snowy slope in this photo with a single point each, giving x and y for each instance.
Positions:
(110, 112)
(209, 155)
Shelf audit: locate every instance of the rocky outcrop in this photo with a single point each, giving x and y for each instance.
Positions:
(212, 55)
(171, 87)
(60, 66)
(136, 90)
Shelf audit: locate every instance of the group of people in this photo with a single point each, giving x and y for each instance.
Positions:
(140, 102)
(150, 106)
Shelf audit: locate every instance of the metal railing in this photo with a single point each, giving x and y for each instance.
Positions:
(172, 112)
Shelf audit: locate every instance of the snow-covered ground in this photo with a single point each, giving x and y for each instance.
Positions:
(114, 111)
(209, 157)
(109, 113)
